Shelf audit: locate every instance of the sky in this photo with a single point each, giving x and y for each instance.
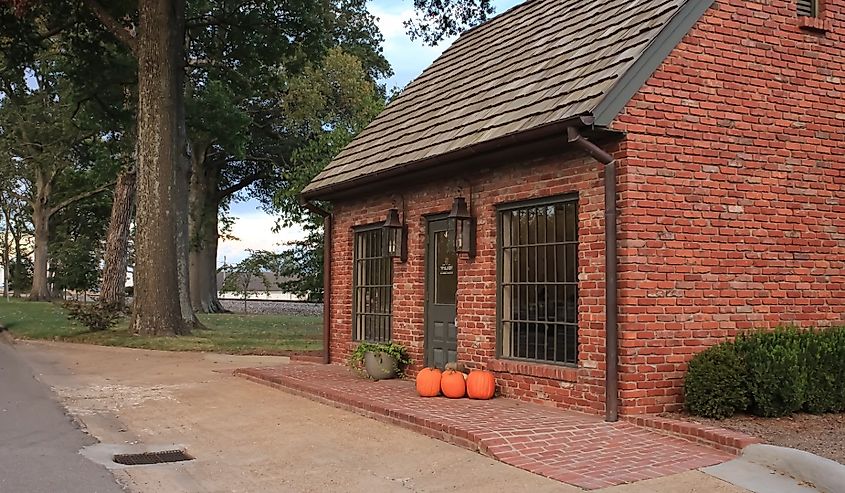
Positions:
(253, 228)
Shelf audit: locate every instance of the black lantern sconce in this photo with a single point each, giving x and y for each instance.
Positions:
(395, 236)
(463, 226)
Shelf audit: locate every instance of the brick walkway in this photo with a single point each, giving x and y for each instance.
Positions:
(575, 448)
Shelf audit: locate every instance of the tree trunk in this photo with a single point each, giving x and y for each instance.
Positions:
(183, 248)
(40, 221)
(203, 227)
(204, 271)
(112, 290)
(17, 276)
(6, 273)
(157, 299)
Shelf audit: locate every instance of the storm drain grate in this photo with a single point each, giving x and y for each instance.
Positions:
(152, 458)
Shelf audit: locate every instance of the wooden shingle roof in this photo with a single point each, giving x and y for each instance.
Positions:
(542, 62)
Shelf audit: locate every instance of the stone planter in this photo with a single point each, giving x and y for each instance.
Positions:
(380, 366)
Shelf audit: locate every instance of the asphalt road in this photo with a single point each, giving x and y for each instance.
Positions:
(39, 444)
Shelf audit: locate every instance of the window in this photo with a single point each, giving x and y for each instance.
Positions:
(808, 8)
(538, 275)
(372, 286)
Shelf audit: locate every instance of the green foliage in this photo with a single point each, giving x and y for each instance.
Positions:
(824, 359)
(770, 374)
(76, 243)
(20, 275)
(302, 266)
(398, 351)
(715, 385)
(777, 378)
(93, 315)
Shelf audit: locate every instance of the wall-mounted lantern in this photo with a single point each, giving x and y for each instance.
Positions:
(463, 225)
(395, 236)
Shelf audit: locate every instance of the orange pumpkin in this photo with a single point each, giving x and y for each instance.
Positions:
(481, 385)
(452, 384)
(428, 382)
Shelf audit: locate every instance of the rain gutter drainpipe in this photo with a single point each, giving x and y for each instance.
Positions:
(611, 279)
(327, 274)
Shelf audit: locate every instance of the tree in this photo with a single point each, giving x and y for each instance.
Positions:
(153, 32)
(254, 267)
(264, 80)
(112, 288)
(44, 127)
(76, 244)
(18, 270)
(161, 168)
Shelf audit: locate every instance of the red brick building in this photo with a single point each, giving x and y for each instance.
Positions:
(716, 127)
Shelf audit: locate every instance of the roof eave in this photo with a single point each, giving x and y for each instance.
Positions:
(538, 133)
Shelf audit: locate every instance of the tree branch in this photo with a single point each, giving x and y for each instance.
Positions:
(117, 29)
(76, 198)
(237, 187)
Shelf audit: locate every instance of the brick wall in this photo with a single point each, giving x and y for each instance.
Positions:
(733, 209)
(476, 296)
(732, 214)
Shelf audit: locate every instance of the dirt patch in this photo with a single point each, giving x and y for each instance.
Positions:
(822, 435)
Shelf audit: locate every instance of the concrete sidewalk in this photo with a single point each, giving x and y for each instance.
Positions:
(247, 437)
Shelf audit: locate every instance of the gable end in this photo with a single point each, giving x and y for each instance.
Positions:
(660, 48)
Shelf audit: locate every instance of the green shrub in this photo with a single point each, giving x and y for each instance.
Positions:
(777, 376)
(93, 315)
(715, 385)
(770, 374)
(824, 354)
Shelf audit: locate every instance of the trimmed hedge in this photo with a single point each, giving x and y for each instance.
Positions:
(715, 385)
(769, 374)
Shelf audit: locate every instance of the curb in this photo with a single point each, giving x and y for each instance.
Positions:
(824, 474)
(733, 442)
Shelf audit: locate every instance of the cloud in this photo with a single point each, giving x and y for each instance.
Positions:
(254, 231)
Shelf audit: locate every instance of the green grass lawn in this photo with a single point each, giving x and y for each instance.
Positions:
(225, 333)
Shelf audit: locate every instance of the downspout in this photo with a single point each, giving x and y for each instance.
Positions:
(327, 274)
(611, 278)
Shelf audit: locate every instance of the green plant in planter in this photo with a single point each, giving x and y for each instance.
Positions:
(394, 351)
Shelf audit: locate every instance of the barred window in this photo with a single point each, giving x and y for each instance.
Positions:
(538, 276)
(372, 286)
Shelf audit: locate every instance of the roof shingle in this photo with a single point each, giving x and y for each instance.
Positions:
(541, 62)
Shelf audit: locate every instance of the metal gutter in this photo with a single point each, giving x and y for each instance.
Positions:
(611, 302)
(327, 274)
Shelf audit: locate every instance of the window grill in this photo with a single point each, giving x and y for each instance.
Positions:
(372, 286)
(808, 8)
(538, 274)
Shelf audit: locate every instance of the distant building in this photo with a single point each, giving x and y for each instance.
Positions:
(259, 290)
